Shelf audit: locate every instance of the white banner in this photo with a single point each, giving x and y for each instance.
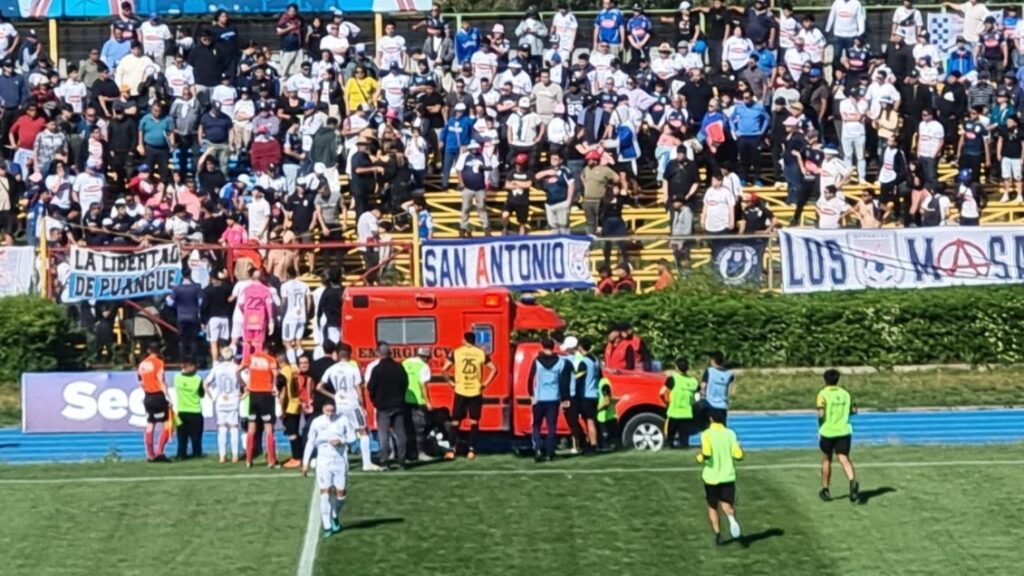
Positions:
(824, 260)
(17, 265)
(518, 262)
(96, 275)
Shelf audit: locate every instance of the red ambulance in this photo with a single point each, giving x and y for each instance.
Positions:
(437, 318)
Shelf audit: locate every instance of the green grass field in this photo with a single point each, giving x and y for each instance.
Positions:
(929, 510)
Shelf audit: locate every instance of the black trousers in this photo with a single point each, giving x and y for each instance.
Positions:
(607, 434)
(188, 339)
(191, 430)
(677, 432)
(572, 417)
(750, 154)
(159, 160)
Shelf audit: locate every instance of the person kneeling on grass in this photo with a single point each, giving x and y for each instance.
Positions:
(719, 450)
(835, 433)
(330, 434)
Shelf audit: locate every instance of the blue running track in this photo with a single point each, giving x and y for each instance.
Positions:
(764, 431)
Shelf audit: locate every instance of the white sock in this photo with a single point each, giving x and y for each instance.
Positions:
(325, 510)
(339, 505)
(234, 442)
(364, 450)
(334, 505)
(292, 356)
(222, 441)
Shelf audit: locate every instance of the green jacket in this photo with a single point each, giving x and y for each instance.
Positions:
(188, 388)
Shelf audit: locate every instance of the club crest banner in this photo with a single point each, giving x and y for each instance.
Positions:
(825, 260)
(516, 262)
(96, 275)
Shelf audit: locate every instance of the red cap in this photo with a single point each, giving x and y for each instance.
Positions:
(522, 159)
(593, 155)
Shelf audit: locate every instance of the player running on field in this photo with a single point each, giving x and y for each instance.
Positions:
(835, 433)
(330, 434)
(347, 382)
(222, 388)
(296, 301)
(719, 451)
(466, 363)
(262, 367)
(156, 402)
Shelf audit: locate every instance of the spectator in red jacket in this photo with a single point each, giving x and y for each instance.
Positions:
(265, 150)
(618, 353)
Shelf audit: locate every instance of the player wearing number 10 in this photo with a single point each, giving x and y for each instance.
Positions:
(464, 370)
(835, 433)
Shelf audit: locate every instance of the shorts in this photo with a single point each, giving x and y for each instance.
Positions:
(226, 412)
(332, 473)
(292, 424)
(355, 414)
(236, 325)
(262, 407)
(724, 492)
(218, 328)
(332, 334)
(467, 406)
(520, 209)
(837, 445)
(293, 329)
(588, 408)
(1010, 168)
(157, 408)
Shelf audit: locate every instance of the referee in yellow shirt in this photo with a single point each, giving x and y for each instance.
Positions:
(464, 370)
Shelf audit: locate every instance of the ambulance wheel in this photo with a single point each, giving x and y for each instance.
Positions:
(645, 431)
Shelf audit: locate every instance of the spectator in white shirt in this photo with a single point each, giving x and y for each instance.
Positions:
(179, 75)
(831, 209)
(391, 49)
(737, 49)
(974, 13)
(930, 140)
(155, 34)
(368, 232)
(719, 214)
(846, 21)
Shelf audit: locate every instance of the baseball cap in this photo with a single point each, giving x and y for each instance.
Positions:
(570, 342)
(424, 352)
(309, 105)
(460, 107)
(791, 121)
(473, 145)
(143, 167)
(515, 63)
(522, 158)
(524, 102)
(593, 155)
(497, 29)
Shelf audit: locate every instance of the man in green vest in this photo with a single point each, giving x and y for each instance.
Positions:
(607, 419)
(719, 450)
(418, 403)
(188, 389)
(835, 433)
(677, 393)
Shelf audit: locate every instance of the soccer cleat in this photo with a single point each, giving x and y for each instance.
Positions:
(854, 491)
(274, 466)
(825, 495)
(538, 457)
(734, 528)
(335, 526)
(372, 468)
(449, 455)
(327, 534)
(471, 455)
(248, 463)
(424, 458)
(718, 539)
(292, 463)
(161, 458)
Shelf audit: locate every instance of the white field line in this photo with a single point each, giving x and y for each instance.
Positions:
(309, 541)
(507, 472)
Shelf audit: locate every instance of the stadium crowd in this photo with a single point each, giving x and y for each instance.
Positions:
(203, 135)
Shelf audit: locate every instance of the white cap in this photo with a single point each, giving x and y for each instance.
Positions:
(498, 29)
(473, 145)
(524, 102)
(461, 106)
(570, 342)
(684, 6)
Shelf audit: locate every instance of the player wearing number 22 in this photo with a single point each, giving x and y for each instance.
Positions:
(835, 433)
(464, 371)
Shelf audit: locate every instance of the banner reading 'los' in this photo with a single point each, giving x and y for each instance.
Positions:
(99, 275)
(824, 260)
(517, 262)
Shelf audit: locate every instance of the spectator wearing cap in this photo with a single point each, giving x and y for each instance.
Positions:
(472, 170)
(915, 97)
(888, 123)
(525, 131)
(242, 114)
(597, 179)
(982, 92)
(517, 200)
(156, 140)
(364, 176)
(532, 32)
(454, 138)
(394, 86)
(225, 94)
(154, 35)
(214, 133)
(521, 81)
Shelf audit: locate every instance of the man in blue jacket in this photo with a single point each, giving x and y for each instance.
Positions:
(455, 135)
(749, 121)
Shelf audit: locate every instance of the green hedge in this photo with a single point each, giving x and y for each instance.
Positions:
(976, 325)
(35, 334)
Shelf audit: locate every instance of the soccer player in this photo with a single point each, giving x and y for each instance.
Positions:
(222, 387)
(263, 371)
(347, 382)
(330, 434)
(156, 402)
(296, 302)
(467, 363)
(678, 394)
(719, 450)
(835, 433)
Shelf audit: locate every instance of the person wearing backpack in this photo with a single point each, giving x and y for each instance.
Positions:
(930, 210)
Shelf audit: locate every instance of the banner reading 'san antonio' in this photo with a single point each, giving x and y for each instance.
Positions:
(517, 262)
(99, 275)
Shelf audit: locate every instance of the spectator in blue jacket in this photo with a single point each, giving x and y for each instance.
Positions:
(467, 42)
(455, 135)
(960, 59)
(749, 122)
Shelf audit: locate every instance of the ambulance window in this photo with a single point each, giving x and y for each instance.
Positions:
(407, 330)
(484, 337)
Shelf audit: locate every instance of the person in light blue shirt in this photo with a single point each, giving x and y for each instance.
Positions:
(716, 385)
(749, 122)
(113, 51)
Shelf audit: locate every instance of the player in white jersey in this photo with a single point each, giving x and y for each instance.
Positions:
(344, 381)
(223, 388)
(296, 302)
(330, 434)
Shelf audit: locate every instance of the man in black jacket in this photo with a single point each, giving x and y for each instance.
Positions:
(387, 384)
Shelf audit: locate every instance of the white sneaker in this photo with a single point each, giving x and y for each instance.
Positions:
(1004, 198)
(424, 458)
(372, 468)
(734, 528)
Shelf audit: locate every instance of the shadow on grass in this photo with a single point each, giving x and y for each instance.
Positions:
(865, 496)
(747, 539)
(372, 523)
